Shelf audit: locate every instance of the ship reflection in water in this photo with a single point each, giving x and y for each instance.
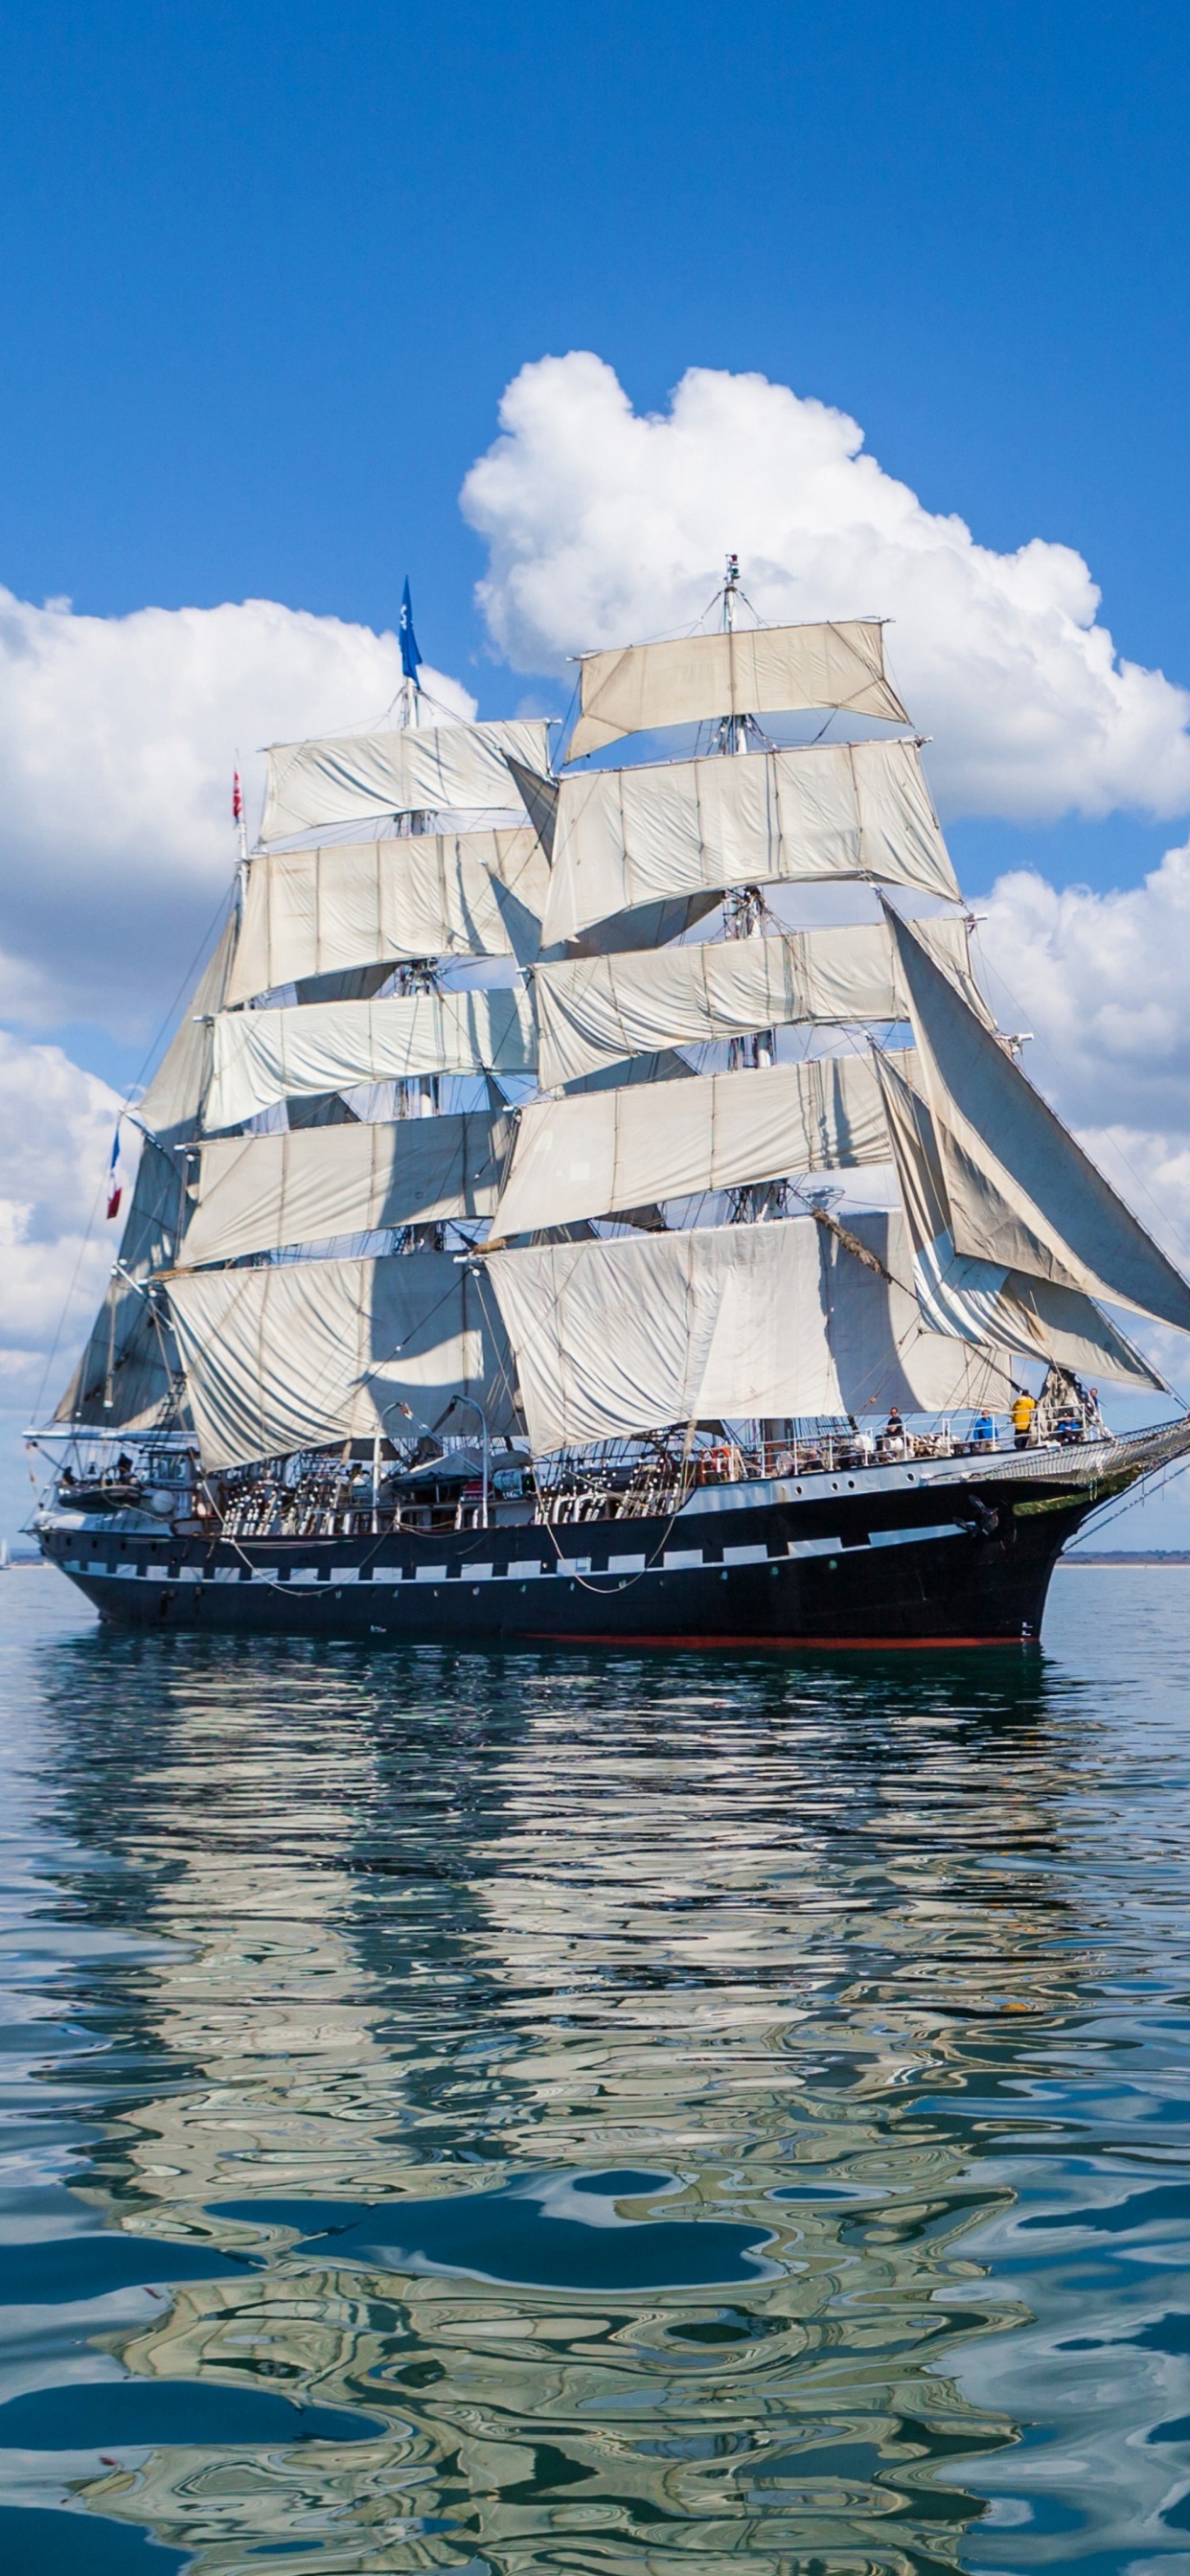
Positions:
(524, 2114)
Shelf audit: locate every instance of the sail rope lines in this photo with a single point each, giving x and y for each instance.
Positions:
(209, 940)
(993, 973)
(622, 1583)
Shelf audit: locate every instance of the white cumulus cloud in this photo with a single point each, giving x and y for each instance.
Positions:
(117, 745)
(606, 527)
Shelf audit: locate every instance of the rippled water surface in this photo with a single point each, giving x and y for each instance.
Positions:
(513, 2113)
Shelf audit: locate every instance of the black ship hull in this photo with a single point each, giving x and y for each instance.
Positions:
(955, 1552)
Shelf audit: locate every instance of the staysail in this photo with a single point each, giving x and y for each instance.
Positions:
(832, 810)
(357, 778)
(982, 1301)
(129, 1373)
(743, 671)
(615, 1338)
(171, 1108)
(304, 1353)
(593, 1011)
(1006, 1134)
(129, 1376)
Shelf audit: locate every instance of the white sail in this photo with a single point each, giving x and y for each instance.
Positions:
(171, 1108)
(1003, 1150)
(128, 1372)
(595, 1010)
(433, 894)
(749, 671)
(260, 1193)
(356, 778)
(984, 1301)
(623, 1148)
(831, 810)
(303, 1353)
(722, 1323)
(263, 1056)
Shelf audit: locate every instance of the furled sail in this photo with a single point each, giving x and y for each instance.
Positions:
(606, 1150)
(432, 894)
(262, 1056)
(595, 1010)
(1003, 1152)
(614, 1338)
(126, 1378)
(259, 1193)
(749, 671)
(356, 778)
(833, 810)
(171, 1108)
(984, 1301)
(303, 1353)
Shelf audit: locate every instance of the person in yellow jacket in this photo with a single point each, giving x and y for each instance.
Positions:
(1023, 1411)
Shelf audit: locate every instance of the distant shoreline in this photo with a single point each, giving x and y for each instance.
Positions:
(1121, 1556)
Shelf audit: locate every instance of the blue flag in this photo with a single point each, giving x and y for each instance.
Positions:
(410, 657)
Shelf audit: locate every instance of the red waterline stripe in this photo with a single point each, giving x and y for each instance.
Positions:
(596, 1637)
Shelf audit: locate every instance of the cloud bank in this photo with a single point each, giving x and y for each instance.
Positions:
(117, 745)
(606, 527)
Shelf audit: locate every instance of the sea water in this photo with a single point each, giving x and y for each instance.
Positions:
(604, 2113)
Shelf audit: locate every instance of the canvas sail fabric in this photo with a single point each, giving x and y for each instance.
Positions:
(349, 904)
(723, 1322)
(984, 1301)
(261, 1193)
(1014, 1177)
(303, 1353)
(129, 1353)
(749, 671)
(171, 1108)
(832, 810)
(356, 778)
(602, 1151)
(263, 1056)
(595, 1010)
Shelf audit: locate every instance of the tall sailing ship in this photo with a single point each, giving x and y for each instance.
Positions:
(589, 1198)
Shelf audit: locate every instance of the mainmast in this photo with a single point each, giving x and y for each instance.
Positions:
(420, 1097)
(744, 918)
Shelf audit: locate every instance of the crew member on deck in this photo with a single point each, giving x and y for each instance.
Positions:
(1023, 1411)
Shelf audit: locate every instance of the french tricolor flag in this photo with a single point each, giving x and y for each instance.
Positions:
(115, 1185)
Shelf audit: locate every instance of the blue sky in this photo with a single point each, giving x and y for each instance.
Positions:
(264, 273)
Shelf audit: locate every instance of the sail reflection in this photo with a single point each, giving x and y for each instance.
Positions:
(592, 2063)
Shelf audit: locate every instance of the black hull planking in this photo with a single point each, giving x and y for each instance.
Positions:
(874, 1561)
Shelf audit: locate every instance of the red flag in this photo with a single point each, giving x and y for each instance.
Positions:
(237, 801)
